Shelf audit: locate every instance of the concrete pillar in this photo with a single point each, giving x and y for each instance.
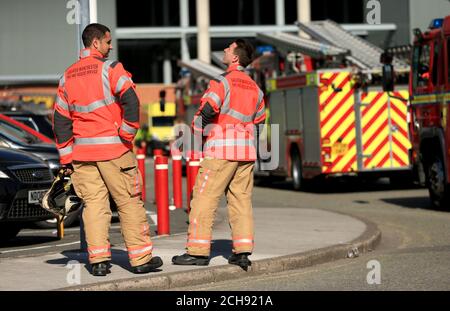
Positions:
(167, 70)
(303, 14)
(84, 21)
(184, 23)
(203, 39)
(279, 13)
(93, 11)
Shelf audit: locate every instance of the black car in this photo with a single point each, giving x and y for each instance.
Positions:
(13, 136)
(24, 178)
(37, 121)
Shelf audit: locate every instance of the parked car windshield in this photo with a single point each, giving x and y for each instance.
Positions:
(16, 134)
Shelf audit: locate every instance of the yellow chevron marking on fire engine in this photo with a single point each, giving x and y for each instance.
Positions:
(338, 96)
(339, 114)
(401, 136)
(380, 115)
(340, 104)
(339, 167)
(372, 110)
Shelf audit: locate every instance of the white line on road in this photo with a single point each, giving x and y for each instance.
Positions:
(39, 247)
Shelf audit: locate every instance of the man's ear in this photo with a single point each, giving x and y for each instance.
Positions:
(95, 43)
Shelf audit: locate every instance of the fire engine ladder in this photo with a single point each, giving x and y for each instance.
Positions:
(288, 42)
(198, 67)
(363, 54)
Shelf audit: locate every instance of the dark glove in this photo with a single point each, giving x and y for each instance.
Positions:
(67, 169)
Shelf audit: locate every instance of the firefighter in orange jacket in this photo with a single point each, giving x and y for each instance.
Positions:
(96, 117)
(230, 108)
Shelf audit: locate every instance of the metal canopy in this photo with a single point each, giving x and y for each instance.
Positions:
(198, 67)
(289, 42)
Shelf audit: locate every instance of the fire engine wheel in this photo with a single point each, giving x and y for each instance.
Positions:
(296, 172)
(439, 194)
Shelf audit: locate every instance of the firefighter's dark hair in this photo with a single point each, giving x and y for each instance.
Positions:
(93, 31)
(245, 51)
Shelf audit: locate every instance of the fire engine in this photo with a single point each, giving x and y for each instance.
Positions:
(334, 117)
(429, 87)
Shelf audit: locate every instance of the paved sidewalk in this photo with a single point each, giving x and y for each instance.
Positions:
(297, 237)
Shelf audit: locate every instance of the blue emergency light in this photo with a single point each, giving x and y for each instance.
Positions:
(436, 23)
(264, 49)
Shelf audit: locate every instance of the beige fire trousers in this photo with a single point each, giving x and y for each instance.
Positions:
(93, 182)
(216, 177)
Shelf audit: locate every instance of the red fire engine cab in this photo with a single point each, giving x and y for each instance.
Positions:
(429, 87)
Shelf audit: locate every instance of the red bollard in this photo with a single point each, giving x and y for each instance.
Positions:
(140, 156)
(177, 168)
(193, 167)
(157, 153)
(162, 194)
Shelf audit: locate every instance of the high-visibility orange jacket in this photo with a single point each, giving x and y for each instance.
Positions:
(232, 106)
(96, 113)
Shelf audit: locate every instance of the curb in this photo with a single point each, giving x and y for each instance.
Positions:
(366, 242)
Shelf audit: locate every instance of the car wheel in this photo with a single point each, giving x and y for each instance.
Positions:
(8, 231)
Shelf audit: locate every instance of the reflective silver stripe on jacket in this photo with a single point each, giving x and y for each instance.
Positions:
(214, 97)
(98, 140)
(90, 107)
(106, 85)
(62, 81)
(141, 251)
(226, 91)
(228, 143)
(121, 83)
(128, 128)
(61, 103)
(259, 113)
(65, 151)
(240, 116)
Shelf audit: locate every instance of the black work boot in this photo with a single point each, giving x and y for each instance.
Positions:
(240, 260)
(150, 266)
(186, 260)
(100, 268)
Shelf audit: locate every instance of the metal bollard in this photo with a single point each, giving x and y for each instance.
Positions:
(162, 194)
(177, 187)
(60, 227)
(140, 156)
(193, 167)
